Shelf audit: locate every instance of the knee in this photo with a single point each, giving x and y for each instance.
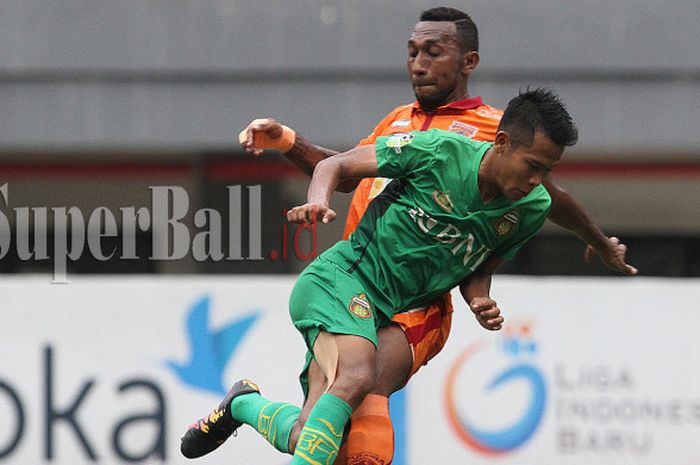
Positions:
(392, 374)
(388, 384)
(354, 384)
(365, 380)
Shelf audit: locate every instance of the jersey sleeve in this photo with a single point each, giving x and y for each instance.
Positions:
(508, 252)
(404, 154)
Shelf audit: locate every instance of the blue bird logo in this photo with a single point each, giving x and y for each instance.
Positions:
(210, 350)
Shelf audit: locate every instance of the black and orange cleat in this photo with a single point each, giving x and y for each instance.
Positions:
(208, 433)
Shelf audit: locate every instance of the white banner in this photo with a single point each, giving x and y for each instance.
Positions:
(112, 370)
(603, 371)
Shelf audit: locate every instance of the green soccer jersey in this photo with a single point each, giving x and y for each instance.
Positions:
(430, 229)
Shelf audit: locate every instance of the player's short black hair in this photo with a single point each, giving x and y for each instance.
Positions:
(467, 33)
(538, 110)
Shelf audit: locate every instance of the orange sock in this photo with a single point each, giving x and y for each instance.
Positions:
(371, 437)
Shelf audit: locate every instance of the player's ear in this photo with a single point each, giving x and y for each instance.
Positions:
(502, 141)
(470, 60)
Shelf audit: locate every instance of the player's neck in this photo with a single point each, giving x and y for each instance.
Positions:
(488, 186)
(456, 96)
(460, 93)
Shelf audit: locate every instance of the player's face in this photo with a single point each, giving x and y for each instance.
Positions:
(436, 63)
(525, 167)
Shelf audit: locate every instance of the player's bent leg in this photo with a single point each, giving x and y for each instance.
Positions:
(275, 421)
(317, 385)
(402, 350)
(242, 405)
(353, 377)
(208, 433)
(371, 436)
(394, 360)
(319, 304)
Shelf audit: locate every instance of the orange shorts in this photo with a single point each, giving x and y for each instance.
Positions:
(426, 329)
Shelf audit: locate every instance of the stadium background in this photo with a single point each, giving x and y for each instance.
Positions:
(101, 99)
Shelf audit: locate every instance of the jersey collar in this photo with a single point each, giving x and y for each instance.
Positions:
(464, 104)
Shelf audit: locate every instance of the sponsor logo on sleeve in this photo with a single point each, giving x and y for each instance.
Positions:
(399, 140)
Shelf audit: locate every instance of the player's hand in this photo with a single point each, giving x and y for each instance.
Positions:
(310, 212)
(261, 134)
(612, 254)
(487, 313)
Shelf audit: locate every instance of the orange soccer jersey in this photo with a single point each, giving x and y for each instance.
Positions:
(426, 329)
(469, 117)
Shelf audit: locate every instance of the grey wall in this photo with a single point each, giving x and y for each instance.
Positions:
(187, 75)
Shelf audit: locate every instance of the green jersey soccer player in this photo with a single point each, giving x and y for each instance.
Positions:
(427, 232)
(455, 210)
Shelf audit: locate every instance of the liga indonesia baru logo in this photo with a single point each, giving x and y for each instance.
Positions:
(515, 351)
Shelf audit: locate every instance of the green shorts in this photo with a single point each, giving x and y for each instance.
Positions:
(327, 298)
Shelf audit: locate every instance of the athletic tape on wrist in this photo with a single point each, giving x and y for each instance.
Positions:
(262, 141)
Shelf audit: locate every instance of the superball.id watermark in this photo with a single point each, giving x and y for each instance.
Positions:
(171, 236)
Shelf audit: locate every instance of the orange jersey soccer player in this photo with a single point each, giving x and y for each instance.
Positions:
(442, 54)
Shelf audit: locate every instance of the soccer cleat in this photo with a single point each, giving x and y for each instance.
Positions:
(208, 433)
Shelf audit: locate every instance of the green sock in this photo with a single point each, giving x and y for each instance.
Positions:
(273, 420)
(320, 439)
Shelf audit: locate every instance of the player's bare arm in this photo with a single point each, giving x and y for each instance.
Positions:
(569, 214)
(612, 254)
(358, 163)
(476, 290)
(268, 134)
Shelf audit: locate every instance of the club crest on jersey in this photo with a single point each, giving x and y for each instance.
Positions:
(463, 128)
(505, 225)
(399, 140)
(443, 201)
(360, 306)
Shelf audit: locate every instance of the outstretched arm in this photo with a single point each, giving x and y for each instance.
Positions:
(360, 162)
(476, 290)
(569, 214)
(266, 133)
